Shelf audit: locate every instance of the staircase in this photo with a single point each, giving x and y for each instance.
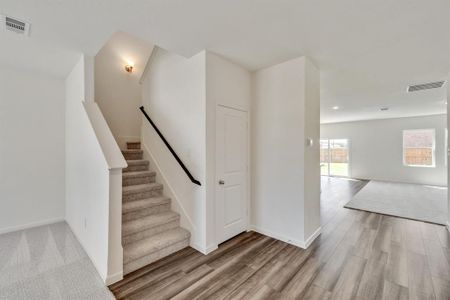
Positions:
(150, 230)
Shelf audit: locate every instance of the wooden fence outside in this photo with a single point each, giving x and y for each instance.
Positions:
(339, 155)
(418, 156)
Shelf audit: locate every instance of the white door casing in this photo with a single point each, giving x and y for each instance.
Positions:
(231, 172)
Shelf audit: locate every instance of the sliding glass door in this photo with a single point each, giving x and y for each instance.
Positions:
(334, 157)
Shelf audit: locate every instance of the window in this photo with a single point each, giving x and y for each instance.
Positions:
(334, 157)
(418, 147)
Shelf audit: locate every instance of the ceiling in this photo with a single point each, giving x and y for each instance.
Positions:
(368, 51)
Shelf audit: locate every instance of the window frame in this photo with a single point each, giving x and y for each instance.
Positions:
(433, 148)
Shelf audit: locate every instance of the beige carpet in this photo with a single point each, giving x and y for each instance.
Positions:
(47, 262)
(412, 201)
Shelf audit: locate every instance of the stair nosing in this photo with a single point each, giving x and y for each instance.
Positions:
(137, 188)
(137, 162)
(139, 174)
(132, 151)
(161, 218)
(163, 200)
(154, 247)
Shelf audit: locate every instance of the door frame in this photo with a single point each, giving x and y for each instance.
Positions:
(248, 170)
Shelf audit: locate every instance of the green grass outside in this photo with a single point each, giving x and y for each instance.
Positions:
(336, 169)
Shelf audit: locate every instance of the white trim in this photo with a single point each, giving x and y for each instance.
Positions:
(278, 236)
(286, 239)
(31, 225)
(433, 148)
(216, 177)
(185, 219)
(114, 278)
(206, 250)
(312, 237)
(110, 149)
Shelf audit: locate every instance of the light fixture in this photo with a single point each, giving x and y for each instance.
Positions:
(335, 107)
(384, 108)
(129, 68)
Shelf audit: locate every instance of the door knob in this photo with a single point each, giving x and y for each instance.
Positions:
(221, 182)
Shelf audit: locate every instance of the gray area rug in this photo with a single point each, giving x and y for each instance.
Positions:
(412, 201)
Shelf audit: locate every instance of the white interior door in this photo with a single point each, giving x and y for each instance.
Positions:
(231, 172)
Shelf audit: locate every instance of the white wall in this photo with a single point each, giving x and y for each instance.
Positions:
(376, 149)
(227, 84)
(31, 149)
(447, 150)
(285, 111)
(174, 97)
(117, 92)
(181, 95)
(285, 172)
(93, 176)
(311, 171)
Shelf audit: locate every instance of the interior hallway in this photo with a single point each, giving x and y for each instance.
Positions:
(358, 254)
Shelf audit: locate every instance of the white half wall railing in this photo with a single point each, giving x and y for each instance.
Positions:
(94, 166)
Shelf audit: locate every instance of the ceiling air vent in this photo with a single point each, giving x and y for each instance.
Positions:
(425, 86)
(16, 25)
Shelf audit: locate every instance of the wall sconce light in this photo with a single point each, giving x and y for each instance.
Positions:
(129, 68)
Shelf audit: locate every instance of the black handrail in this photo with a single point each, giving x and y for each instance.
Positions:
(170, 148)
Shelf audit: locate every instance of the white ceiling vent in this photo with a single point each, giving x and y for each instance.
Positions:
(425, 86)
(16, 25)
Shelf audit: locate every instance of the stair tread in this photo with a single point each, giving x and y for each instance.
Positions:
(150, 221)
(132, 151)
(154, 243)
(131, 206)
(141, 187)
(139, 174)
(135, 162)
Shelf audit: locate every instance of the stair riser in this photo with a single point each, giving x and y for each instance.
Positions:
(150, 232)
(136, 168)
(145, 212)
(141, 195)
(148, 259)
(133, 146)
(132, 156)
(138, 180)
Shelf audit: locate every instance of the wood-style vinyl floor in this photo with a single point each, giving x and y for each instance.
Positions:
(359, 255)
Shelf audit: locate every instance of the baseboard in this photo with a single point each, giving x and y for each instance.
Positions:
(204, 250)
(278, 236)
(110, 279)
(286, 239)
(31, 225)
(312, 237)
